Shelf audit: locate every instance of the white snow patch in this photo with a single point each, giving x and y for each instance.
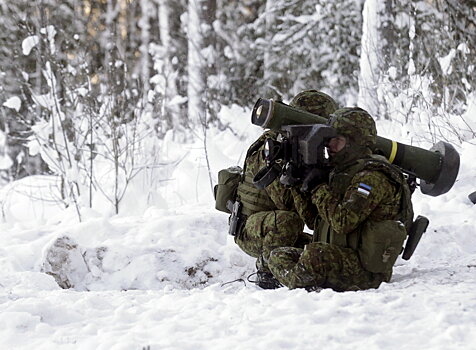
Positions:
(445, 62)
(50, 33)
(5, 162)
(13, 102)
(29, 43)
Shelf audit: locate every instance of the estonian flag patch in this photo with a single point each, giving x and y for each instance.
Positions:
(364, 189)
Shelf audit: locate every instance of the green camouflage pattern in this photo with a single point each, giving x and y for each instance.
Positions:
(267, 230)
(279, 197)
(321, 265)
(358, 128)
(314, 101)
(272, 220)
(277, 214)
(356, 124)
(354, 197)
(345, 212)
(303, 205)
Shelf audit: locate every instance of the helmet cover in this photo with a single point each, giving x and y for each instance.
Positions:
(315, 102)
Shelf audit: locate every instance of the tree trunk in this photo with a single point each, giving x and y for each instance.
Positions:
(201, 14)
(370, 59)
(144, 24)
(269, 74)
(169, 111)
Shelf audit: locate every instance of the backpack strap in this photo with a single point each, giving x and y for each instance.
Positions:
(252, 198)
(395, 174)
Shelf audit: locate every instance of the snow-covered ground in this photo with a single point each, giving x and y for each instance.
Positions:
(157, 280)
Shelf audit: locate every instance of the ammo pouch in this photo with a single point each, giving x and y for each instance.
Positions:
(381, 243)
(225, 190)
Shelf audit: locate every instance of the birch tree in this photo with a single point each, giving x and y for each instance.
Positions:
(272, 86)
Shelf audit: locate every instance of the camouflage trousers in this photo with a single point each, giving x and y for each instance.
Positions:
(321, 265)
(267, 230)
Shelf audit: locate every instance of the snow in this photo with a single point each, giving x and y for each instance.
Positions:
(445, 62)
(5, 162)
(13, 102)
(158, 279)
(29, 43)
(31, 201)
(50, 33)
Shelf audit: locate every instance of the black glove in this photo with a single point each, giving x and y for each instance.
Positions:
(314, 177)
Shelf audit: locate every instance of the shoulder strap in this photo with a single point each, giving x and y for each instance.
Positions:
(252, 149)
(252, 198)
(376, 162)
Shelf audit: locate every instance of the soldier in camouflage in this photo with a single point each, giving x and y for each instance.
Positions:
(364, 212)
(275, 216)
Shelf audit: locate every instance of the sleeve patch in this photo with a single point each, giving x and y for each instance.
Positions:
(364, 189)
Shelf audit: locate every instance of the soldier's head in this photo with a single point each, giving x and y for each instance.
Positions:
(356, 134)
(315, 102)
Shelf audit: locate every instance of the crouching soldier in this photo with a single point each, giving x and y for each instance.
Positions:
(364, 212)
(273, 217)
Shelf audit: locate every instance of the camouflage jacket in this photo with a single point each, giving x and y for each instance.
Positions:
(275, 196)
(356, 194)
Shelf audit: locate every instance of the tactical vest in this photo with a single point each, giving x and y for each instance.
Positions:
(378, 242)
(252, 198)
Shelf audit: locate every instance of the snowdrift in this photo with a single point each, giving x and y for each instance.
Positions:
(159, 279)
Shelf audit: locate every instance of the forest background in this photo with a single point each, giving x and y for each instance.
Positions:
(90, 89)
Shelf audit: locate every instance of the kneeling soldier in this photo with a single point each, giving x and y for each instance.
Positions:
(275, 216)
(364, 212)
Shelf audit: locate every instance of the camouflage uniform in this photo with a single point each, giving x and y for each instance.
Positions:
(272, 219)
(365, 194)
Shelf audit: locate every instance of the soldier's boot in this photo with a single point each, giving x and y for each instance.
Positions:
(264, 277)
(266, 280)
(313, 289)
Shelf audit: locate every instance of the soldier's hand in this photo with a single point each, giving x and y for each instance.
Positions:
(315, 177)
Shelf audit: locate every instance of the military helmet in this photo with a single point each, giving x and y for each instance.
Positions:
(356, 125)
(315, 102)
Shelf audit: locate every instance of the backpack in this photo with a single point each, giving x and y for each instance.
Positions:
(225, 190)
(381, 242)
